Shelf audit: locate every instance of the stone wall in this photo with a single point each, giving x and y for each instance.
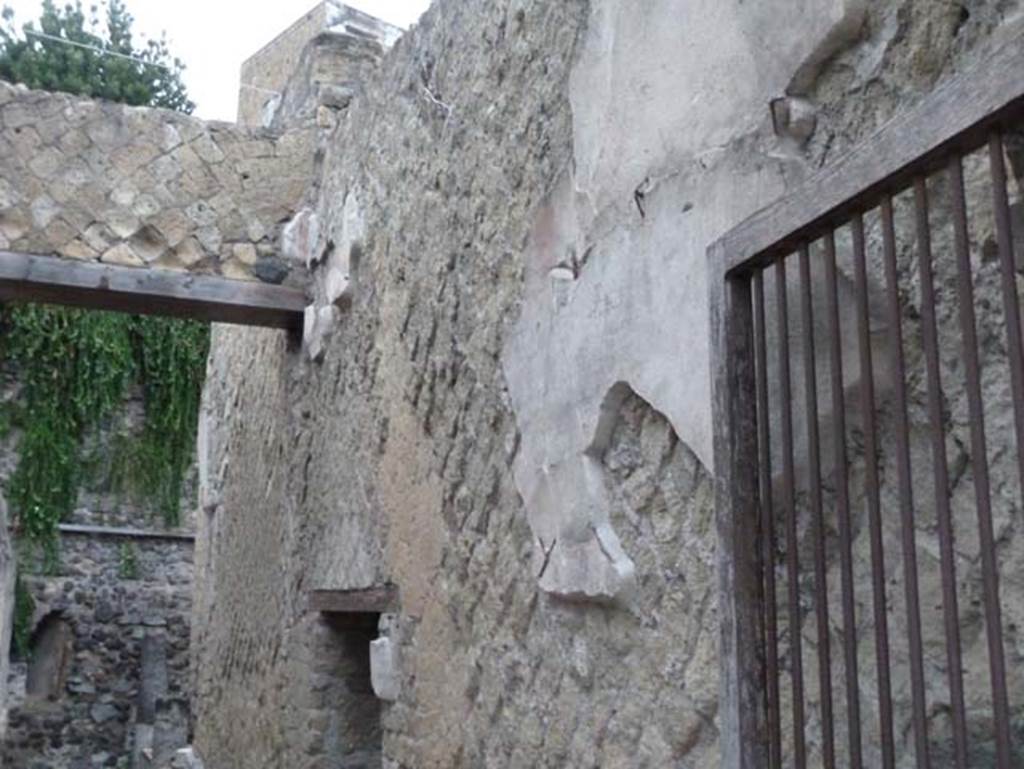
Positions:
(503, 403)
(85, 711)
(111, 627)
(145, 187)
(282, 65)
(8, 573)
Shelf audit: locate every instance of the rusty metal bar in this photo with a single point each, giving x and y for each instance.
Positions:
(767, 527)
(867, 403)
(979, 464)
(906, 492)
(1011, 302)
(817, 518)
(789, 504)
(941, 475)
(843, 505)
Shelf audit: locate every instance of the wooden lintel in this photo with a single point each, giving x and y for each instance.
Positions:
(373, 600)
(148, 291)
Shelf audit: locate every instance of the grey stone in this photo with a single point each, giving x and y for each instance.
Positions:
(270, 270)
(336, 96)
(102, 713)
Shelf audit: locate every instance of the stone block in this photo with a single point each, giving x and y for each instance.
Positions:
(236, 270)
(385, 674)
(794, 118)
(244, 253)
(78, 249)
(336, 96)
(270, 269)
(189, 252)
(122, 254)
(44, 210)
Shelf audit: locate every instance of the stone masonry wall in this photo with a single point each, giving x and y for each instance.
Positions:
(144, 187)
(265, 74)
(280, 67)
(90, 720)
(505, 412)
(8, 573)
(112, 624)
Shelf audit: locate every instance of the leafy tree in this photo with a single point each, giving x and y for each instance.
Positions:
(100, 60)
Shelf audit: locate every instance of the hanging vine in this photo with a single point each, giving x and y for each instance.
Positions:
(75, 368)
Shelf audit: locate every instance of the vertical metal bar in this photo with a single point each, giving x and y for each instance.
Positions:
(906, 493)
(814, 468)
(979, 464)
(789, 503)
(741, 705)
(941, 475)
(843, 506)
(767, 528)
(1011, 303)
(867, 404)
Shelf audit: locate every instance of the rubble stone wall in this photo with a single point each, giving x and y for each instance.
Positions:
(111, 613)
(8, 573)
(119, 606)
(145, 187)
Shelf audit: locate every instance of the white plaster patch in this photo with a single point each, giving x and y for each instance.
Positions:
(300, 237)
(667, 159)
(343, 258)
(317, 325)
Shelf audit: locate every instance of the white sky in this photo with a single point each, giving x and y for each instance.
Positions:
(214, 37)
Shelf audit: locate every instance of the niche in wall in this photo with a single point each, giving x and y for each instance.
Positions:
(349, 712)
(52, 648)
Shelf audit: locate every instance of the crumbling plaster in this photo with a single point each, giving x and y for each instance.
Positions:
(673, 144)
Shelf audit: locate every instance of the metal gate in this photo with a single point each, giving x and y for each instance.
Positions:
(850, 434)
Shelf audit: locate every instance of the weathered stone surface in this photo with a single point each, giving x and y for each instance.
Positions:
(94, 179)
(512, 412)
(288, 77)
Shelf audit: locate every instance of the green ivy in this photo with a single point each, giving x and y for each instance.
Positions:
(76, 367)
(128, 561)
(24, 608)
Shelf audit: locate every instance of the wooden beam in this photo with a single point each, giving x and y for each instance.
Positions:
(742, 716)
(956, 117)
(125, 533)
(148, 291)
(373, 600)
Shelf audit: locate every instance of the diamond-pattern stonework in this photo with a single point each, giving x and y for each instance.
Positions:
(132, 186)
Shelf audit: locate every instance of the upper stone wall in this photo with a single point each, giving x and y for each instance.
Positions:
(269, 74)
(132, 186)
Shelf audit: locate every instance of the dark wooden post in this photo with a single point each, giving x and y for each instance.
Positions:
(742, 683)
